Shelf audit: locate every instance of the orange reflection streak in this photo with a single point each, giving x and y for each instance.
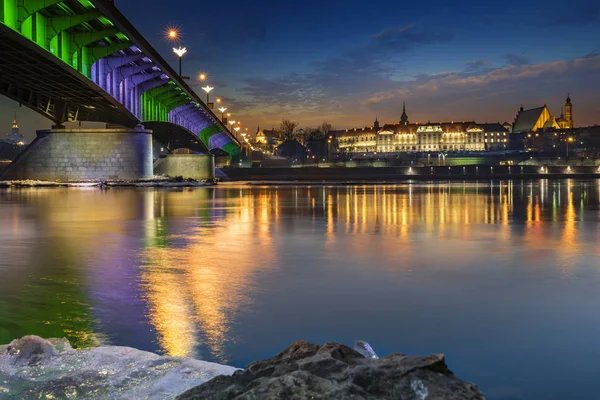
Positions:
(170, 309)
(569, 240)
(199, 287)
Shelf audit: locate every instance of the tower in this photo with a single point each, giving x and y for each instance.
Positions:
(569, 112)
(15, 136)
(376, 125)
(404, 117)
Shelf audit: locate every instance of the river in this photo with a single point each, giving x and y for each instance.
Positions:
(503, 277)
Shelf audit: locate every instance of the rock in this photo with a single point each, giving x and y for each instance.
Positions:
(32, 367)
(365, 349)
(335, 371)
(29, 350)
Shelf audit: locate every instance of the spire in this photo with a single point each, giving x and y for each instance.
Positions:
(404, 117)
(568, 98)
(15, 125)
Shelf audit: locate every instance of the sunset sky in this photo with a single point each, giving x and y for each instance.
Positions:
(346, 62)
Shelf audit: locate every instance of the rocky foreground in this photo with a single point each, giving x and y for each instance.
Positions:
(32, 367)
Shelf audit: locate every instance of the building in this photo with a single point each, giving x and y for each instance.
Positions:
(13, 144)
(267, 140)
(536, 119)
(15, 136)
(415, 137)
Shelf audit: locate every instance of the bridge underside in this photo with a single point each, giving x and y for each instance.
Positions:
(40, 81)
(174, 136)
(82, 60)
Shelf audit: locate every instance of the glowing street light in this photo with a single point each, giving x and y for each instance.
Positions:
(569, 140)
(236, 129)
(180, 51)
(222, 109)
(207, 89)
(201, 76)
(172, 33)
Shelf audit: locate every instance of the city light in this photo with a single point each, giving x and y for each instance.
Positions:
(222, 109)
(172, 33)
(207, 89)
(180, 51)
(201, 76)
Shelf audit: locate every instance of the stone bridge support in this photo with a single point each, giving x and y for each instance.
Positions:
(68, 155)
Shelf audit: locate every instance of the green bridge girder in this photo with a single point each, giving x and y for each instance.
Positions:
(80, 34)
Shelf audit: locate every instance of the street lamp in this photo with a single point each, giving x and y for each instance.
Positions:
(201, 76)
(570, 139)
(222, 109)
(180, 51)
(236, 129)
(232, 123)
(207, 89)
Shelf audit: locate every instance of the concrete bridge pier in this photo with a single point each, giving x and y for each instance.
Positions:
(85, 154)
(195, 166)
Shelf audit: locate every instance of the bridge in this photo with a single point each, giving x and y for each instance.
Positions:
(82, 60)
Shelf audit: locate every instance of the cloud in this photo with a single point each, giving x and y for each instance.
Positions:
(494, 95)
(516, 59)
(477, 65)
(350, 76)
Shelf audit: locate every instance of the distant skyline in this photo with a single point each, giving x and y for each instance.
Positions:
(312, 61)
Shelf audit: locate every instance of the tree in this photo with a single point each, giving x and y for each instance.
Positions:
(325, 128)
(288, 129)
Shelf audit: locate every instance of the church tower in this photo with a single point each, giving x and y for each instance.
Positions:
(376, 125)
(569, 112)
(404, 117)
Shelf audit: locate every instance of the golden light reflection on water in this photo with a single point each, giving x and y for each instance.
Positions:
(204, 252)
(200, 272)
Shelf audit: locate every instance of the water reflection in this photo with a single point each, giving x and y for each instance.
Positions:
(231, 272)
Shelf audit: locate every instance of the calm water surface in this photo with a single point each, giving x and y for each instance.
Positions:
(503, 278)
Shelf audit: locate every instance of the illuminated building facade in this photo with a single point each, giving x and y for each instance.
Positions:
(267, 140)
(540, 118)
(416, 137)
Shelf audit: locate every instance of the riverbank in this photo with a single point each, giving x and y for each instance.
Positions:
(32, 367)
(418, 173)
(154, 182)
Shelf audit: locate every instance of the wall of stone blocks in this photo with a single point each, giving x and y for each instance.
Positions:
(195, 166)
(84, 155)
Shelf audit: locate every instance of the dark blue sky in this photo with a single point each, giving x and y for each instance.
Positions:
(346, 61)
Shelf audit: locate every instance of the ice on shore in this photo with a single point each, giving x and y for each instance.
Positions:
(32, 367)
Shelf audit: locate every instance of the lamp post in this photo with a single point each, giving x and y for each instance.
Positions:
(569, 139)
(236, 129)
(232, 123)
(180, 51)
(207, 89)
(222, 109)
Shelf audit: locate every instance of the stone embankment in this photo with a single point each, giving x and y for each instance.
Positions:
(157, 181)
(32, 367)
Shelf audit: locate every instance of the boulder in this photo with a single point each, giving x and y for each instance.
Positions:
(32, 368)
(335, 371)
